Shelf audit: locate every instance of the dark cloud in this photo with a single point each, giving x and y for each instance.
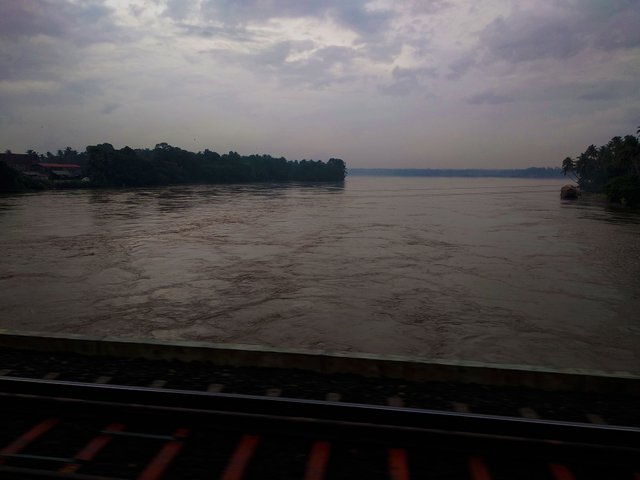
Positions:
(621, 31)
(312, 66)
(178, 9)
(241, 11)
(528, 35)
(274, 55)
(607, 91)
(136, 10)
(306, 63)
(57, 92)
(352, 14)
(408, 80)
(377, 39)
(30, 60)
(81, 23)
(459, 67)
(489, 98)
(598, 94)
(44, 55)
(229, 32)
(383, 49)
(28, 18)
(40, 39)
(43, 42)
(429, 7)
(79, 91)
(222, 19)
(318, 69)
(109, 107)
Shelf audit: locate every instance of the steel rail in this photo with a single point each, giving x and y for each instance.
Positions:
(272, 410)
(26, 473)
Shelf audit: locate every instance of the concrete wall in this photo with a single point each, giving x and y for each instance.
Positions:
(415, 369)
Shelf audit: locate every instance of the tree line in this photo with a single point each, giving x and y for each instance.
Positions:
(106, 166)
(68, 155)
(613, 169)
(531, 172)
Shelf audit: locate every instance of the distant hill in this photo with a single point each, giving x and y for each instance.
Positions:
(531, 172)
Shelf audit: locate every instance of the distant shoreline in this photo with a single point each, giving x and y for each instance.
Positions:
(532, 172)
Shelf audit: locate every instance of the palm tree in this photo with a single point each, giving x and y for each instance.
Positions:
(567, 165)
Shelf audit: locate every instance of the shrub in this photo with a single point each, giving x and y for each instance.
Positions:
(625, 190)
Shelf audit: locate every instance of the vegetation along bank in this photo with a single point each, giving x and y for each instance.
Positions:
(612, 169)
(104, 166)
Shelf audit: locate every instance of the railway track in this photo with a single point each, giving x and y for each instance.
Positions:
(609, 404)
(55, 429)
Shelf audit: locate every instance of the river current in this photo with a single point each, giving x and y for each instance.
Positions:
(489, 270)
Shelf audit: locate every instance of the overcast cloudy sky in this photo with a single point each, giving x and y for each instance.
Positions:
(432, 83)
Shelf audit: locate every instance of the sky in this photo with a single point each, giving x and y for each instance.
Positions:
(382, 83)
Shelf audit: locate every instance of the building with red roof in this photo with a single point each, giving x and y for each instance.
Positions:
(59, 170)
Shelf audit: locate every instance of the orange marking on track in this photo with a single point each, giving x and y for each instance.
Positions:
(478, 469)
(29, 436)
(240, 459)
(92, 448)
(318, 460)
(165, 456)
(560, 472)
(398, 464)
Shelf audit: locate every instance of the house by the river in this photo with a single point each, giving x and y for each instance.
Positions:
(31, 165)
(58, 171)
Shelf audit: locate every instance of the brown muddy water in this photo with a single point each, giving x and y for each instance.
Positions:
(490, 270)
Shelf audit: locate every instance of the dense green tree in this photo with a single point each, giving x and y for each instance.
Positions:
(568, 166)
(166, 165)
(68, 155)
(613, 168)
(13, 181)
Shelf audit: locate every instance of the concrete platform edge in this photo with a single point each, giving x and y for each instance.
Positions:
(386, 366)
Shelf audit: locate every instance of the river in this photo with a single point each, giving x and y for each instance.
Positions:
(489, 270)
